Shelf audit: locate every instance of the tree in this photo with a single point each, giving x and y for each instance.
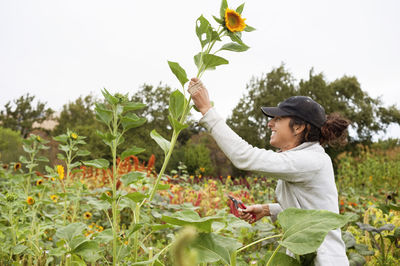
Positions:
(344, 95)
(22, 117)
(79, 116)
(156, 113)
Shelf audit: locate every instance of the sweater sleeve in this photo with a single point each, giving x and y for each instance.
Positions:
(290, 165)
(274, 210)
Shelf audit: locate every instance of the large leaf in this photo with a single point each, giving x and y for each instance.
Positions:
(370, 228)
(179, 72)
(136, 196)
(131, 151)
(70, 231)
(189, 217)
(133, 106)
(210, 61)
(281, 259)
(163, 143)
(131, 121)
(132, 177)
(235, 47)
(249, 28)
(239, 9)
(106, 137)
(103, 114)
(211, 247)
(203, 30)
(89, 250)
(82, 153)
(176, 104)
(97, 163)
(305, 230)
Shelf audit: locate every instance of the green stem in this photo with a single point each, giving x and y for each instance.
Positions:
(114, 186)
(273, 255)
(136, 239)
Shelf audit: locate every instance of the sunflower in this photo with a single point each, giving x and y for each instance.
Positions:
(87, 215)
(39, 182)
(74, 135)
(52, 179)
(17, 166)
(60, 171)
(234, 21)
(54, 198)
(109, 193)
(30, 200)
(38, 138)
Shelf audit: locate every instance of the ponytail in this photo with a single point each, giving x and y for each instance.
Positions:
(333, 132)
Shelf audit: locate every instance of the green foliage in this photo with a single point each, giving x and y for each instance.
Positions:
(197, 156)
(10, 145)
(23, 115)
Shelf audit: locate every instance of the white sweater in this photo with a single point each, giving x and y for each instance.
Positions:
(305, 179)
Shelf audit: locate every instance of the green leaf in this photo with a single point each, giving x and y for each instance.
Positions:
(99, 204)
(133, 106)
(23, 159)
(70, 231)
(163, 143)
(249, 28)
(203, 30)
(163, 186)
(132, 177)
(235, 47)
(106, 137)
(176, 104)
(61, 138)
(210, 61)
(218, 20)
(97, 163)
(304, 230)
(77, 261)
(224, 6)
(103, 114)
(83, 153)
(105, 236)
(75, 164)
(281, 259)
(131, 151)
(235, 37)
(88, 250)
(179, 72)
(110, 98)
(27, 149)
(136, 196)
(189, 217)
(42, 159)
(135, 228)
(211, 247)
(356, 259)
(239, 9)
(176, 124)
(131, 121)
(18, 249)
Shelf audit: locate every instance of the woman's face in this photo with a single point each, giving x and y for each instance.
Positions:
(282, 136)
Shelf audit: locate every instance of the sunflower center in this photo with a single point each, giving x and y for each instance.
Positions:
(233, 20)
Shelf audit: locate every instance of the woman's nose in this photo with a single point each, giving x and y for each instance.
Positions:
(270, 123)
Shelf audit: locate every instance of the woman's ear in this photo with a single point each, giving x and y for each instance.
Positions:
(299, 129)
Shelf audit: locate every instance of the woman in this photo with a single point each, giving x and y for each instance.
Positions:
(304, 171)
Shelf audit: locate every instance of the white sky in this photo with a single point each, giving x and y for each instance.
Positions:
(59, 50)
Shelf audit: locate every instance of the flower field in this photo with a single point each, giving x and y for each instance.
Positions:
(64, 216)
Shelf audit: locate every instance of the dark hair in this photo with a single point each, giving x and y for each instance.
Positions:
(332, 133)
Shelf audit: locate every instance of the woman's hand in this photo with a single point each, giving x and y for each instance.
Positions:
(199, 95)
(258, 210)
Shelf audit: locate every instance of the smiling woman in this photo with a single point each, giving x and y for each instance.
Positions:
(304, 171)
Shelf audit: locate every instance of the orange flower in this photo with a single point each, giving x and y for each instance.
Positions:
(234, 21)
(30, 200)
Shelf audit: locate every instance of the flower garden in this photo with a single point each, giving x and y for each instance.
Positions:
(123, 211)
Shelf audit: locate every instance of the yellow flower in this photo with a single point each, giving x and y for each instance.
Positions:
(109, 193)
(233, 21)
(54, 198)
(30, 200)
(39, 182)
(17, 166)
(87, 215)
(52, 179)
(74, 135)
(60, 171)
(202, 169)
(38, 138)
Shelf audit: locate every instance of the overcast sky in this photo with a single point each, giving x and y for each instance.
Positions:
(59, 50)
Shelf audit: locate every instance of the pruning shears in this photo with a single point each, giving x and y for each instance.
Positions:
(237, 205)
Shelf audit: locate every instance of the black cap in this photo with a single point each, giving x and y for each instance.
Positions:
(300, 106)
